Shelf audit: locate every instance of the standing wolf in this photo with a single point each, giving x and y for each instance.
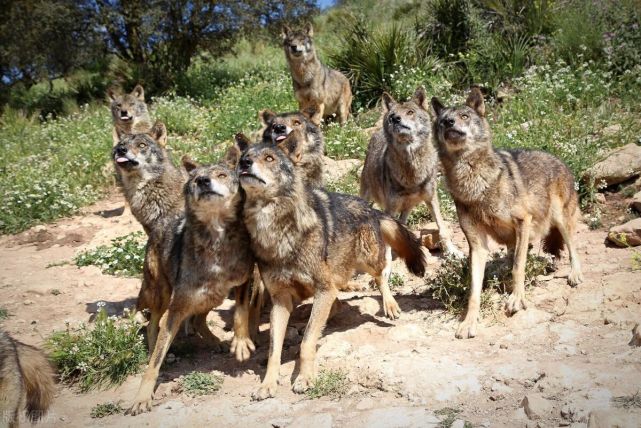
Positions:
(129, 111)
(26, 382)
(511, 196)
(320, 91)
(153, 187)
(402, 162)
(210, 257)
(278, 126)
(309, 242)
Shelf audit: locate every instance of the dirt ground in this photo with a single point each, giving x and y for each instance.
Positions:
(568, 353)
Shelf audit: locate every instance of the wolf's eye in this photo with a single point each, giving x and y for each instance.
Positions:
(269, 158)
(410, 112)
(222, 175)
(142, 145)
(464, 116)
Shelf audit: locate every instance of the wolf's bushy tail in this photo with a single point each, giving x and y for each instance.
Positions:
(405, 244)
(38, 378)
(553, 242)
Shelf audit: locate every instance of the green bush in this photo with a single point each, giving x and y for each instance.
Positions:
(99, 356)
(106, 409)
(198, 383)
(449, 27)
(329, 383)
(4, 313)
(124, 257)
(579, 35)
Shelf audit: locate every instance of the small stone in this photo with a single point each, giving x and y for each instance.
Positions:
(503, 346)
(627, 234)
(536, 407)
(611, 130)
(600, 198)
(636, 202)
(459, 423)
(170, 358)
(28, 302)
(636, 335)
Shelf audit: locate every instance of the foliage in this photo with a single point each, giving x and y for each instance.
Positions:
(124, 257)
(99, 356)
(349, 184)
(396, 280)
(106, 409)
(198, 383)
(4, 313)
(329, 383)
(449, 27)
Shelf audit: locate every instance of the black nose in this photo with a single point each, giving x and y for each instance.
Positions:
(123, 111)
(395, 118)
(294, 48)
(279, 128)
(245, 163)
(121, 150)
(203, 182)
(448, 122)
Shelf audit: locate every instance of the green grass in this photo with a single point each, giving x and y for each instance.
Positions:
(449, 415)
(396, 280)
(106, 409)
(4, 313)
(199, 383)
(329, 383)
(100, 355)
(450, 284)
(124, 257)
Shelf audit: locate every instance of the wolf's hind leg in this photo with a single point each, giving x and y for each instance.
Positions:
(566, 225)
(321, 307)
(443, 229)
(390, 307)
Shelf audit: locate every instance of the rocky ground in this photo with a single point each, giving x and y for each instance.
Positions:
(567, 355)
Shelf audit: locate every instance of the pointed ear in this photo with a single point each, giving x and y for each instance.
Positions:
(242, 142)
(309, 29)
(159, 133)
(115, 135)
(475, 101)
(284, 32)
(232, 156)
(139, 93)
(420, 97)
(437, 106)
(266, 116)
(388, 101)
(292, 146)
(189, 164)
(111, 94)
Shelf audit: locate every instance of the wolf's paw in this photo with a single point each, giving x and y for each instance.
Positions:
(515, 303)
(302, 384)
(575, 278)
(265, 391)
(140, 406)
(242, 348)
(451, 250)
(467, 329)
(139, 318)
(391, 308)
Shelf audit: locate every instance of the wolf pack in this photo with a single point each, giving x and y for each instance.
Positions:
(260, 222)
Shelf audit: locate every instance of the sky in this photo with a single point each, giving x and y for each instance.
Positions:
(323, 4)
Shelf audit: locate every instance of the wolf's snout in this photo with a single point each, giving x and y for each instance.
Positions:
(245, 163)
(279, 128)
(121, 150)
(394, 118)
(448, 122)
(203, 182)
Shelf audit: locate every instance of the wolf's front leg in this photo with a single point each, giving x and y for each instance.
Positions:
(281, 310)
(321, 307)
(516, 301)
(242, 345)
(390, 307)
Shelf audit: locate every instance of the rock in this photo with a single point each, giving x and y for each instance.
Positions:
(394, 417)
(430, 237)
(636, 335)
(621, 317)
(619, 165)
(612, 419)
(319, 420)
(600, 198)
(292, 336)
(526, 125)
(611, 130)
(170, 358)
(536, 407)
(636, 202)
(335, 170)
(459, 423)
(627, 234)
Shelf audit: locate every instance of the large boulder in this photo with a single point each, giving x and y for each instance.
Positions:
(627, 234)
(619, 165)
(335, 170)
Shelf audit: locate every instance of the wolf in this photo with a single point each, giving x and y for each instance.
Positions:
(153, 187)
(129, 111)
(210, 257)
(26, 382)
(401, 164)
(276, 127)
(320, 91)
(308, 242)
(512, 196)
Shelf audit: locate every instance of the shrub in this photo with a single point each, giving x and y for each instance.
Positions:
(124, 257)
(329, 383)
(396, 280)
(4, 313)
(449, 28)
(580, 31)
(106, 409)
(198, 383)
(101, 355)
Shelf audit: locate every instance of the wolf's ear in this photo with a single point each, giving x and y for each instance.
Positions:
(139, 93)
(232, 156)
(284, 32)
(189, 164)
(437, 106)
(309, 29)
(388, 101)
(475, 101)
(292, 146)
(159, 133)
(266, 116)
(111, 94)
(242, 142)
(420, 97)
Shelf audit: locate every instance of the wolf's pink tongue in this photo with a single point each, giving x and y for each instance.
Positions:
(280, 138)
(122, 160)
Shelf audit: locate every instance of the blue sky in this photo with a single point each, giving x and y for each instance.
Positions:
(325, 3)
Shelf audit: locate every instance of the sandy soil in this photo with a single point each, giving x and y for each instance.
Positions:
(568, 353)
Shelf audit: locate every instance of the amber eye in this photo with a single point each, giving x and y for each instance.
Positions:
(410, 112)
(142, 145)
(269, 158)
(296, 122)
(464, 116)
(222, 175)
